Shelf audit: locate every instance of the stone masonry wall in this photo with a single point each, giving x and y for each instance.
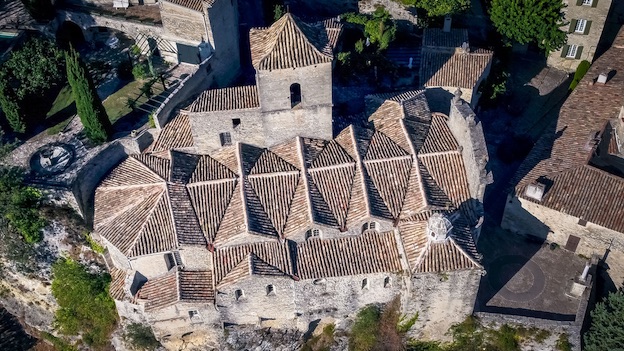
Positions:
(528, 218)
(185, 25)
(274, 87)
(441, 300)
(467, 130)
(597, 15)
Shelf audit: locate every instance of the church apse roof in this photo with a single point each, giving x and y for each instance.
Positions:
(292, 43)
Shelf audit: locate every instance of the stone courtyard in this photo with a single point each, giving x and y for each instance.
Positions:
(527, 278)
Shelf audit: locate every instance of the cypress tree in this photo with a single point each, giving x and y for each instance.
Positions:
(92, 114)
(10, 105)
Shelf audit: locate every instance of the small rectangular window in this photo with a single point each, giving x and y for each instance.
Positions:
(572, 51)
(226, 139)
(588, 2)
(580, 26)
(236, 122)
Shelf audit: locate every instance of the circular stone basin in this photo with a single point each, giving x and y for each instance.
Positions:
(52, 159)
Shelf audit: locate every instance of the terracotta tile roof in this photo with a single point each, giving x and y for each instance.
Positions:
(177, 286)
(117, 284)
(369, 253)
(437, 38)
(174, 135)
(439, 138)
(453, 70)
(160, 292)
(239, 200)
(235, 262)
(196, 5)
(291, 43)
(445, 256)
(226, 99)
(561, 160)
(585, 192)
(457, 252)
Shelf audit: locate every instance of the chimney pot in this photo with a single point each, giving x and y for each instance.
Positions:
(602, 78)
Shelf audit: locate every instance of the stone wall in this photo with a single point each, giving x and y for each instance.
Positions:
(597, 15)
(201, 79)
(183, 24)
(294, 304)
(274, 87)
(260, 129)
(528, 218)
(468, 132)
(440, 300)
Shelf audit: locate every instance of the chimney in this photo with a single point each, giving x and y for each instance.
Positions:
(447, 24)
(602, 78)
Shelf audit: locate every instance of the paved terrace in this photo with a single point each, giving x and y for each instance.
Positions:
(148, 14)
(527, 278)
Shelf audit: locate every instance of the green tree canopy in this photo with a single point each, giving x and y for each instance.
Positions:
(84, 304)
(35, 67)
(92, 114)
(378, 27)
(20, 204)
(607, 324)
(530, 21)
(9, 103)
(436, 8)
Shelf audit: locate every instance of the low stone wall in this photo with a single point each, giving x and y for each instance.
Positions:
(189, 86)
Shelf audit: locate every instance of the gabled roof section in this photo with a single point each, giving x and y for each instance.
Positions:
(463, 70)
(290, 43)
(176, 134)
(195, 5)
(226, 99)
(369, 253)
(177, 286)
(561, 160)
(234, 262)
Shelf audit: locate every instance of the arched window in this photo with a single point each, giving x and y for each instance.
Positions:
(387, 282)
(364, 283)
(238, 294)
(270, 290)
(313, 233)
(295, 95)
(369, 226)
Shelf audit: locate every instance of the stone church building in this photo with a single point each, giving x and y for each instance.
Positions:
(247, 210)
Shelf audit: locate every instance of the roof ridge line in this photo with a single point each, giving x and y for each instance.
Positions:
(297, 22)
(304, 172)
(149, 169)
(144, 224)
(360, 164)
(237, 153)
(452, 239)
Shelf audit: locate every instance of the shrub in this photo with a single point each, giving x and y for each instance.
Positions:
(150, 121)
(85, 308)
(365, 330)
(94, 245)
(406, 324)
(147, 89)
(9, 103)
(20, 205)
(504, 339)
(563, 344)
(140, 337)
(141, 70)
(581, 70)
(321, 342)
(58, 343)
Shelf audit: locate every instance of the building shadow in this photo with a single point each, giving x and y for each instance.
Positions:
(12, 335)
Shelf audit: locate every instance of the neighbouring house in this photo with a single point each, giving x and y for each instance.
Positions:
(570, 189)
(449, 63)
(307, 229)
(292, 95)
(585, 20)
